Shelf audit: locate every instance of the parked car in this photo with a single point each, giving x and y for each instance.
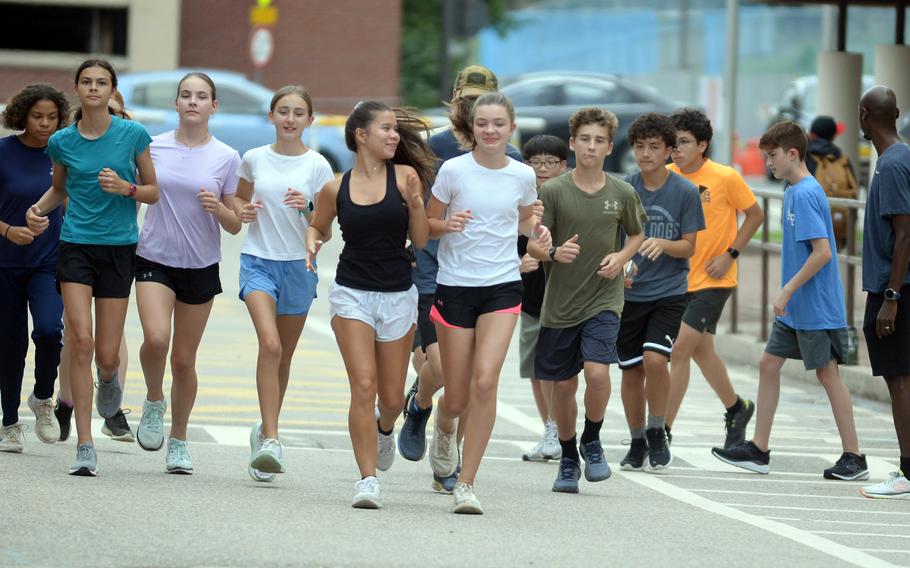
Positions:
(555, 96)
(241, 120)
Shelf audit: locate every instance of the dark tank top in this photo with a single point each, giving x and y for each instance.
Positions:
(374, 256)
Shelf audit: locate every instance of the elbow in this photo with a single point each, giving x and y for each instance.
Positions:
(154, 195)
(235, 229)
(420, 241)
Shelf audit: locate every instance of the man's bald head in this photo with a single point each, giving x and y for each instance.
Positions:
(878, 111)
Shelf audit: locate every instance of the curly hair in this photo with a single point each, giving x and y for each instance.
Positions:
(653, 125)
(15, 115)
(593, 115)
(695, 121)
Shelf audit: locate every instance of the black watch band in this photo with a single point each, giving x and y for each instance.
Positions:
(553, 253)
(733, 252)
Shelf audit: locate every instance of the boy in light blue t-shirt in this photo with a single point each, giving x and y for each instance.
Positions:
(811, 319)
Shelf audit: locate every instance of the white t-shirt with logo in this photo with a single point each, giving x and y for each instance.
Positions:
(484, 253)
(279, 232)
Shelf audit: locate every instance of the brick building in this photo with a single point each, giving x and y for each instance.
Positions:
(343, 50)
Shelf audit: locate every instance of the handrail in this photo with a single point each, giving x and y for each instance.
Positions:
(851, 258)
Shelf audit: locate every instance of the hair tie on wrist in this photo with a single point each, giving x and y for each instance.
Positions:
(6, 234)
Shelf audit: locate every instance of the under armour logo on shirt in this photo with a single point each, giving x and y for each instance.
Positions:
(611, 206)
(791, 217)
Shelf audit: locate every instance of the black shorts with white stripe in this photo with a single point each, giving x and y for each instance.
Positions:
(648, 326)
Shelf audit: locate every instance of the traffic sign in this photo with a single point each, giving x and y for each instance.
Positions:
(263, 15)
(262, 47)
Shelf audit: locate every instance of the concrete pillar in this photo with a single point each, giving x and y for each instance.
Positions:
(153, 35)
(891, 65)
(840, 77)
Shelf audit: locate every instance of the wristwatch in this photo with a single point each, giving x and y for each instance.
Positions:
(733, 252)
(553, 253)
(892, 295)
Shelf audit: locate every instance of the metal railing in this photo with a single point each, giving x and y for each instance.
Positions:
(850, 258)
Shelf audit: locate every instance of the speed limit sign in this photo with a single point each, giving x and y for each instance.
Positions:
(262, 46)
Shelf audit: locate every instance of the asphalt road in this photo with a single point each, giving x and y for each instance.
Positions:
(701, 512)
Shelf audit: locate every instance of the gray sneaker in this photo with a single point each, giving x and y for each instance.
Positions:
(178, 457)
(150, 433)
(385, 451)
(46, 427)
(596, 467)
(11, 438)
(256, 440)
(443, 450)
(118, 428)
(108, 396)
(86, 464)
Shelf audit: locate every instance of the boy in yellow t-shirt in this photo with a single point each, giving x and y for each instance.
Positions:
(712, 274)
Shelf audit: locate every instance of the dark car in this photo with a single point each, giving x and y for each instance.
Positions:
(555, 96)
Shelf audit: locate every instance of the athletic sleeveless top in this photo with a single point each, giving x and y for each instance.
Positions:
(374, 256)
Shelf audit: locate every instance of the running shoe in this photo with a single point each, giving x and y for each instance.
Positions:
(897, 486)
(596, 467)
(735, 423)
(412, 440)
(268, 458)
(443, 450)
(46, 427)
(11, 438)
(849, 467)
(547, 448)
(568, 476)
(118, 428)
(635, 457)
(86, 464)
(745, 455)
(178, 457)
(150, 433)
(659, 457)
(385, 451)
(669, 434)
(108, 396)
(255, 443)
(466, 502)
(367, 494)
(64, 414)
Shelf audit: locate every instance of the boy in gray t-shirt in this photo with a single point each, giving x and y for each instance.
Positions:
(656, 285)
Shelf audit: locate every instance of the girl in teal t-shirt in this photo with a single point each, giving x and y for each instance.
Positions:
(95, 165)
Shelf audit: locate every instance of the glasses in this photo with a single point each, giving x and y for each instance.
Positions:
(548, 164)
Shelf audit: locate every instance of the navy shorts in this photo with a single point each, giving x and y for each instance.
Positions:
(562, 352)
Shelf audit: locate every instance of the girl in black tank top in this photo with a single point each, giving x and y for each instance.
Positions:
(373, 300)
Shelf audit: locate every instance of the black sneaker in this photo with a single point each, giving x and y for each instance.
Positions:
(745, 455)
(735, 424)
(849, 467)
(659, 456)
(118, 428)
(669, 435)
(635, 457)
(64, 414)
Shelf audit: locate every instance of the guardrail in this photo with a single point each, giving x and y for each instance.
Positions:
(850, 257)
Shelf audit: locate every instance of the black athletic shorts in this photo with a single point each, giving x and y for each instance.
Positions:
(426, 330)
(648, 326)
(190, 285)
(460, 306)
(889, 356)
(704, 309)
(107, 269)
(562, 352)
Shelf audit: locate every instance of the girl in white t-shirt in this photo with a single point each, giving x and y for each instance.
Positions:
(481, 200)
(275, 195)
(177, 261)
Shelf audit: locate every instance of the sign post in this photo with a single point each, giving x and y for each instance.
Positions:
(262, 44)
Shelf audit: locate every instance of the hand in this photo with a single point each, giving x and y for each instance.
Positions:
(718, 266)
(652, 248)
(296, 200)
(457, 222)
(631, 273)
(36, 222)
(207, 200)
(780, 304)
(528, 264)
(610, 266)
(568, 252)
(111, 182)
(248, 212)
(20, 235)
(311, 255)
(412, 192)
(542, 236)
(537, 208)
(884, 321)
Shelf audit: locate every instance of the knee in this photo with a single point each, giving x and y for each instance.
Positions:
(363, 389)
(47, 331)
(485, 386)
(455, 405)
(655, 364)
(270, 349)
(769, 365)
(182, 365)
(393, 403)
(82, 345)
(565, 389)
(156, 343)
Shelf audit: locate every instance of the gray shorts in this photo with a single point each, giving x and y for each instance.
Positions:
(704, 309)
(816, 348)
(527, 344)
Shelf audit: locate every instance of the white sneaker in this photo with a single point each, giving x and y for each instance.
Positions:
(547, 448)
(367, 494)
(466, 502)
(46, 427)
(895, 487)
(256, 440)
(268, 458)
(385, 451)
(11, 438)
(444, 450)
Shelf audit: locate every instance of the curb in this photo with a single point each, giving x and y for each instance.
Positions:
(744, 350)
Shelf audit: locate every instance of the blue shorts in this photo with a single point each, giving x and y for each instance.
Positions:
(288, 282)
(562, 352)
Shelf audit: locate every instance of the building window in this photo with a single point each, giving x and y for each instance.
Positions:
(44, 27)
